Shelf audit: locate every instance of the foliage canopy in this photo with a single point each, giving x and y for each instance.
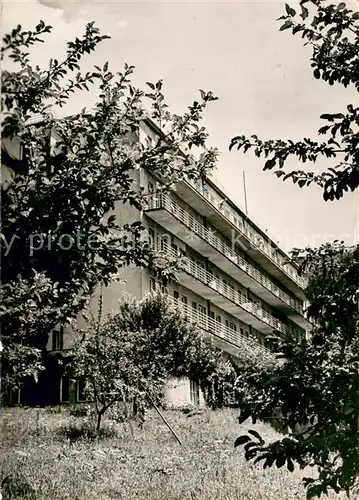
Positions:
(60, 237)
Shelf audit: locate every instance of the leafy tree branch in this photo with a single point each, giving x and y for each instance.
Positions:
(333, 32)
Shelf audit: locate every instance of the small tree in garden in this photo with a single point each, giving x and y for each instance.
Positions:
(332, 30)
(130, 355)
(316, 387)
(59, 241)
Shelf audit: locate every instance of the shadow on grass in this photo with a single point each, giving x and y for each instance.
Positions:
(16, 486)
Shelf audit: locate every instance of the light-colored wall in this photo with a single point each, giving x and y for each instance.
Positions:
(177, 392)
(6, 175)
(12, 146)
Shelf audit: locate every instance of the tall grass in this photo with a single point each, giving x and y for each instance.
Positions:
(35, 447)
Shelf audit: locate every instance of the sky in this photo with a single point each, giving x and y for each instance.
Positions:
(262, 78)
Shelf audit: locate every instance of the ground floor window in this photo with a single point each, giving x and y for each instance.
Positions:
(64, 389)
(15, 397)
(58, 339)
(80, 390)
(194, 392)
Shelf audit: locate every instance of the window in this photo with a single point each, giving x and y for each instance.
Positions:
(211, 323)
(201, 309)
(151, 188)
(175, 295)
(151, 237)
(218, 323)
(195, 314)
(64, 389)
(163, 244)
(80, 390)
(58, 339)
(194, 392)
(15, 397)
(184, 299)
(177, 249)
(232, 327)
(212, 281)
(202, 315)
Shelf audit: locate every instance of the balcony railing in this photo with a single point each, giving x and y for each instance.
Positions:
(208, 279)
(209, 325)
(159, 201)
(254, 238)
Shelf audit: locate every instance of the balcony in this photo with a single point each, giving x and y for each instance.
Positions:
(222, 295)
(225, 338)
(200, 199)
(178, 221)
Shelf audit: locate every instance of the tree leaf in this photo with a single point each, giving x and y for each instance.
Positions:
(256, 435)
(286, 25)
(241, 440)
(280, 461)
(290, 465)
(290, 10)
(151, 85)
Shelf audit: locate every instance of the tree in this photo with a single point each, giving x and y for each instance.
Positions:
(333, 32)
(130, 355)
(316, 387)
(59, 238)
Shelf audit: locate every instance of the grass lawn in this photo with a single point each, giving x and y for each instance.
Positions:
(149, 466)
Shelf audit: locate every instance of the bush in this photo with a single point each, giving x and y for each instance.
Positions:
(54, 409)
(80, 410)
(85, 431)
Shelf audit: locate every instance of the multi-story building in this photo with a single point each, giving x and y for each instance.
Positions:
(233, 280)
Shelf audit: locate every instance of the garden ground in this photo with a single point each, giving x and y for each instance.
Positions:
(38, 450)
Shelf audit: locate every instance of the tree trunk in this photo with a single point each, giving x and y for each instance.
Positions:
(99, 419)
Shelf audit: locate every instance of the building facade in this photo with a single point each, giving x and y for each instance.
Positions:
(234, 282)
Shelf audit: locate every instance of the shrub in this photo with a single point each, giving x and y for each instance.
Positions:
(80, 410)
(85, 431)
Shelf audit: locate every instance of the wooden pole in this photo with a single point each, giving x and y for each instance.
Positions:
(164, 420)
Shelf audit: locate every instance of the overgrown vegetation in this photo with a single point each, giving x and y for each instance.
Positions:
(148, 466)
(128, 356)
(59, 237)
(316, 388)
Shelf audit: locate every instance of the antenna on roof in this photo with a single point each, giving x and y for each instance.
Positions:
(245, 192)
